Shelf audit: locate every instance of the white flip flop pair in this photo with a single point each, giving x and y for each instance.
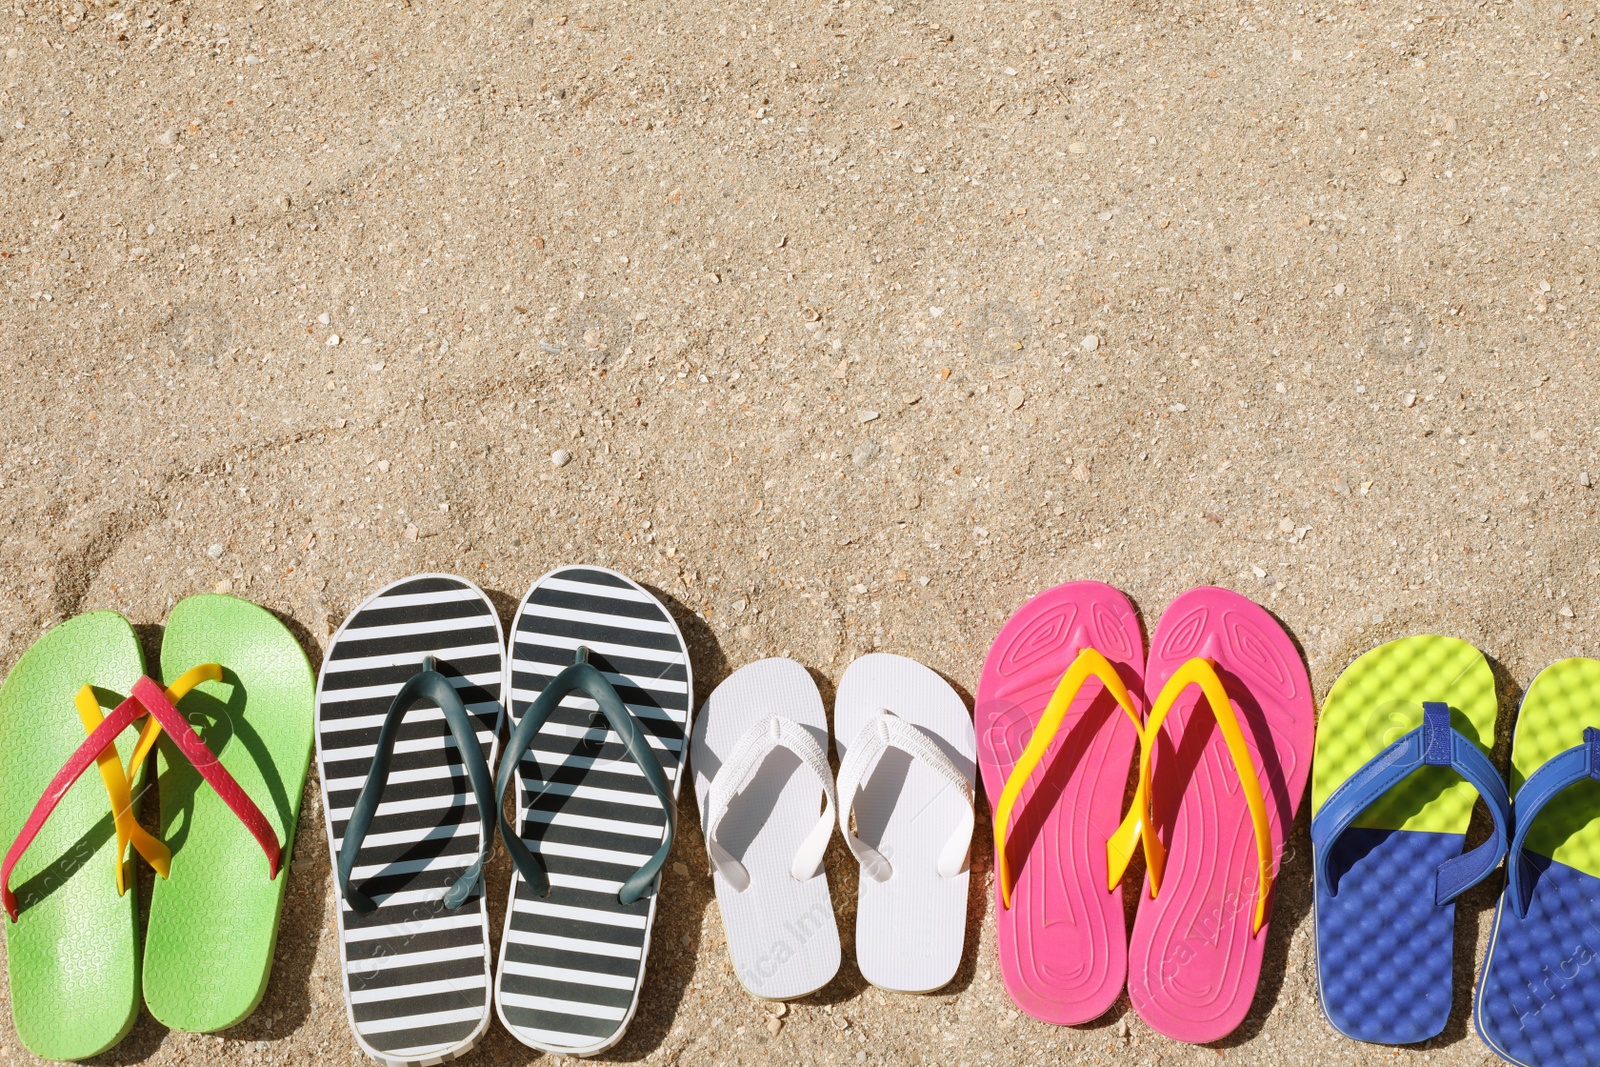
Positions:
(903, 800)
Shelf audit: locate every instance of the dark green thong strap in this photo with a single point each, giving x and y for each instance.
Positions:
(426, 684)
(585, 678)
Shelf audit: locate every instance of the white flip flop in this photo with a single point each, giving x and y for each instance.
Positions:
(907, 757)
(767, 804)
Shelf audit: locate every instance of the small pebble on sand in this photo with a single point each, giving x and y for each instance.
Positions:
(1090, 342)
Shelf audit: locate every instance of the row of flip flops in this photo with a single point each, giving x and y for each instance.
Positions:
(1223, 748)
(594, 693)
(405, 719)
(597, 690)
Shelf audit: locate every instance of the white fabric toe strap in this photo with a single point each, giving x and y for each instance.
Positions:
(770, 733)
(885, 730)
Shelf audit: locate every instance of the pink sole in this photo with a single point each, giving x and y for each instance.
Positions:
(1063, 943)
(1193, 962)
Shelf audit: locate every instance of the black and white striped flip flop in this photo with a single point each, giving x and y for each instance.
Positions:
(599, 694)
(404, 776)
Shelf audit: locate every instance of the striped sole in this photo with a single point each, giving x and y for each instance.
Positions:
(416, 975)
(572, 963)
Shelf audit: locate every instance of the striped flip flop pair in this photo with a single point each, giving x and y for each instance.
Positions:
(595, 691)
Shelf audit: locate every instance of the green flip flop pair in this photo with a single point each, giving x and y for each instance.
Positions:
(231, 767)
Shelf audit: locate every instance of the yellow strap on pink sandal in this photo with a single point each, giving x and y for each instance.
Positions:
(1202, 672)
(1090, 663)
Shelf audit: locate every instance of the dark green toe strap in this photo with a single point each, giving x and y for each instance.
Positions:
(426, 684)
(584, 678)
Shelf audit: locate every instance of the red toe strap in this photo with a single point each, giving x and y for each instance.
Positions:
(150, 694)
(102, 735)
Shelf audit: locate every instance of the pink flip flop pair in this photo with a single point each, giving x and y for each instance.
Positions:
(1222, 747)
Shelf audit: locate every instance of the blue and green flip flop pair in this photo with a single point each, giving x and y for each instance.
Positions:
(1402, 754)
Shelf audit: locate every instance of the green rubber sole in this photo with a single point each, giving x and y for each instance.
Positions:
(72, 956)
(214, 923)
(1560, 702)
(1377, 700)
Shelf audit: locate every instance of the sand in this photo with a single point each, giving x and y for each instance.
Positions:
(857, 325)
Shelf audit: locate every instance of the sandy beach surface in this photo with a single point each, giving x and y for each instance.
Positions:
(844, 326)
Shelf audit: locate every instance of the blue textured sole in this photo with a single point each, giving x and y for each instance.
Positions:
(1384, 949)
(1538, 999)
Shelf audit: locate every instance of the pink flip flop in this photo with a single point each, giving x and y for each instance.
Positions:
(1058, 722)
(1224, 779)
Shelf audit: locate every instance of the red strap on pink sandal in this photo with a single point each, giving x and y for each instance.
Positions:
(154, 699)
(102, 735)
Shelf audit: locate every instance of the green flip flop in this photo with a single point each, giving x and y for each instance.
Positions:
(213, 923)
(72, 954)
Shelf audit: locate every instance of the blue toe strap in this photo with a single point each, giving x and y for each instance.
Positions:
(1433, 744)
(1569, 768)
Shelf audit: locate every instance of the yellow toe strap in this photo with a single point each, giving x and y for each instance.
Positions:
(121, 793)
(118, 780)
(1203, 672)
(1089, 664)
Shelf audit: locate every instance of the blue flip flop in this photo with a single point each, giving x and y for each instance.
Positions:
(1402, 751)
(1538, 999)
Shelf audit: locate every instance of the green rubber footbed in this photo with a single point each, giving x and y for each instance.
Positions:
(1378, 699)
(214, 923)
(72, 956)
(1562, 700)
